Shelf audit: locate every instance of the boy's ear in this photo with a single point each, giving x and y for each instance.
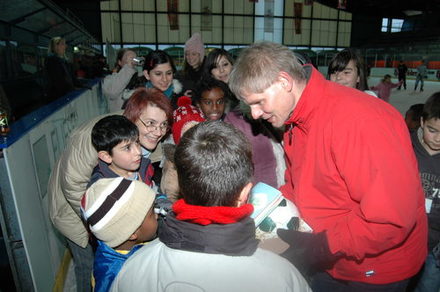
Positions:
(244, 194)
(133, 237)
(105, 156)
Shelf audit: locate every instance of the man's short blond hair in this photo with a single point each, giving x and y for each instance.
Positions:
(259, 65)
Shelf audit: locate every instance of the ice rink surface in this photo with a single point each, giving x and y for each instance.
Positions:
(403, 99)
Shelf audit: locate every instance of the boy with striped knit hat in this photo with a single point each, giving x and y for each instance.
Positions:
(119, 212)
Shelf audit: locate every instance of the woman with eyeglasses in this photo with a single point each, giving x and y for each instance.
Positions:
(150, 110)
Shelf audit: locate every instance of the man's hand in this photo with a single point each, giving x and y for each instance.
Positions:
(308, 252)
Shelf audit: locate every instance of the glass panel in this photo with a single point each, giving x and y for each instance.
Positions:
(18, 8)
(384, 24)
(396, 25)
(61, 29)
(41, 21)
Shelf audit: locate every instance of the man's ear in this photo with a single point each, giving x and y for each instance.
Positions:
(105, 156)
(145, 72)
(286, 81)
(244, 195)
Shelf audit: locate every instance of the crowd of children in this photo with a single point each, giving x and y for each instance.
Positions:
(166, 196)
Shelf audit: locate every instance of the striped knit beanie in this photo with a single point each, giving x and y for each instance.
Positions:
(114, 208)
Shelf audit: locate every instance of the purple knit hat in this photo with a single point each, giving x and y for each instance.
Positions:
(195, 43)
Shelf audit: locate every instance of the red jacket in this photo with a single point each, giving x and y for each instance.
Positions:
(351, 171)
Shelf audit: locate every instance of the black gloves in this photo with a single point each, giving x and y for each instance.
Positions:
(308, 252)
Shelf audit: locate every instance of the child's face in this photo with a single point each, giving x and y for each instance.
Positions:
(212, 104)
(160, 76)
(126, 158)
(387, 80)
(348, 77)
(193, 58)
(431, 135)
(222, 69)
(147, 230)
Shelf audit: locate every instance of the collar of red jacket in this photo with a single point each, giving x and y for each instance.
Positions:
(310, 97)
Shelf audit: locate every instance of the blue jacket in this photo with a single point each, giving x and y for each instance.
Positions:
(107, 264)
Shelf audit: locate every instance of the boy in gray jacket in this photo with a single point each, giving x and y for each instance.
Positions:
(208, 242)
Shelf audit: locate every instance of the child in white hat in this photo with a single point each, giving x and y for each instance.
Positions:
(119, 213)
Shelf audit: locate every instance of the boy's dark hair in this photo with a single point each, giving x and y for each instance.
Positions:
(416, 111)
(341, 60)
(431, 109)
(214, 163)
(112, 130)
(209, 83)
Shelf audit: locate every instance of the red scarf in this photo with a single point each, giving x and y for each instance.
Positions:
(209, 215)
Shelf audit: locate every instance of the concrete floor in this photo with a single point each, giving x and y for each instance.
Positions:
(400, 99)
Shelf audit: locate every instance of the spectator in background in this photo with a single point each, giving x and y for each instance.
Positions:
(384, 87)
(422, 72)
(402, 69)
(192, 67)
(347, 68)
(60, 78)
(118, 86)
(413, 115)
(5, 105)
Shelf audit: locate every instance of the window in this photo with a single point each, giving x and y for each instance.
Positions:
(384, 24)
(392, 25)
(396, 25)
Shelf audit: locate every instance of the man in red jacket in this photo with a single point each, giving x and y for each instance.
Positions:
(351, 172)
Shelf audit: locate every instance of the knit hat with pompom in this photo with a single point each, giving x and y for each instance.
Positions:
(185, 116)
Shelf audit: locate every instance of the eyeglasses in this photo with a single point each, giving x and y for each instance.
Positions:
(152, 126)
